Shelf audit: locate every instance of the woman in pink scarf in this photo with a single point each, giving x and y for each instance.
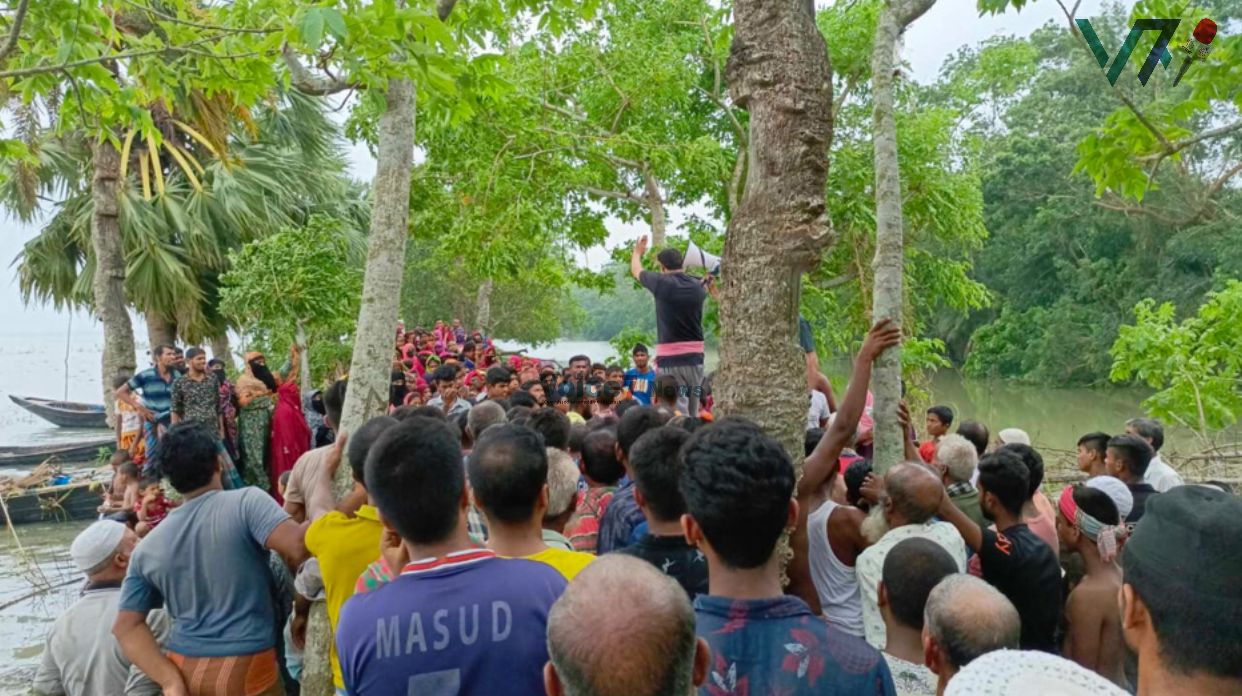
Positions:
(291, 435)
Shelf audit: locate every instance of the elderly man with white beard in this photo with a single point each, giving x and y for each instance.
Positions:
(911, 496)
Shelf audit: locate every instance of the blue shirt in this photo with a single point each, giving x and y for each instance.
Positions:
(616, 527)
(778, 646)
(641, 384)
(156, 393)
(470, 623)
(207, 563)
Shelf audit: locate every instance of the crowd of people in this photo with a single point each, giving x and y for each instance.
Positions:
(518, 529)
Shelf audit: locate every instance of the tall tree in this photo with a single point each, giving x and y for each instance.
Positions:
(121, 66)
(780, 228)
(396, 54)
(372, 46)
(889, 264)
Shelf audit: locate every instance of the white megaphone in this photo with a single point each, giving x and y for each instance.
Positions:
(697, 258)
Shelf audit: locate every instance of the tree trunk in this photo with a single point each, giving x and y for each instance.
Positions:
(889, 263)
(304, 363)
(369, 369)
(160, 331)
(778, 71)
(371, 364)
(659, 216)
(108, 285)
(483, 308)
(220, 349)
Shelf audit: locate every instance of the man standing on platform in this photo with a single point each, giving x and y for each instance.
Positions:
(679, 322)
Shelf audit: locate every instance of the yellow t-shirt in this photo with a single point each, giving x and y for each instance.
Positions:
(568, 563)
(345, 546)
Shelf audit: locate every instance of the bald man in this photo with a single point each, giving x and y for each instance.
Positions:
(965, 618)
(910, 499)
(650, 650)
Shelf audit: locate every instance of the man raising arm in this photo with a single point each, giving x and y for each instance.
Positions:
(1014, 560)
(821, 468)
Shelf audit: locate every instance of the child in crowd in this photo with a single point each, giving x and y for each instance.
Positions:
(1088, 523)
(153, 506)
(119, 501)
(939, 418)
(128, 426)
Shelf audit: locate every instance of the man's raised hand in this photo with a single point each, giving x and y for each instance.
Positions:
(884, 334)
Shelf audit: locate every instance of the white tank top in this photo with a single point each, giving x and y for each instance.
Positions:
(835, 583)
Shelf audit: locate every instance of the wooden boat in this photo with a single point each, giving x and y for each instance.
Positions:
(71, 501)
(68, 453)
(66, 414)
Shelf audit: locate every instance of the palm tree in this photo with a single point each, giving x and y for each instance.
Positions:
(261, 173)
(176, 243)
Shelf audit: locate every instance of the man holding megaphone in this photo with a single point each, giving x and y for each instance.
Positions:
(679, 322)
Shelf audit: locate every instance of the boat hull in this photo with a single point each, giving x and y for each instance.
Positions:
(66, 414)
(79, 501)
(75, 453)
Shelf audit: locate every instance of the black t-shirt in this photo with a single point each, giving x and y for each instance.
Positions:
(1025, 569)
(1140, 492)
(679, 311)
(675, 558)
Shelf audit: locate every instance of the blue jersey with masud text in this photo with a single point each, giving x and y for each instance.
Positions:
(469, 623)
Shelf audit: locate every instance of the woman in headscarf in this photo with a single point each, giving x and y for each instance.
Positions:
(291, 436)
(415, 390)
(489, 358)
(228, 406)
(431, 362)
(256, 400)
(396, 390)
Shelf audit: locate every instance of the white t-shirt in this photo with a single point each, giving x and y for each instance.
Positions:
(818, 410)
(1161, 476)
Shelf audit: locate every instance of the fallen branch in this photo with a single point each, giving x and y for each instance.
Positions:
(35, 593)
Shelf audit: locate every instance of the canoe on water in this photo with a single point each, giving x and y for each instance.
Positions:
(72, 501)
(66, 414)
(67, 453)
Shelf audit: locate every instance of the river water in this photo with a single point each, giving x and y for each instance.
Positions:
(35, 364)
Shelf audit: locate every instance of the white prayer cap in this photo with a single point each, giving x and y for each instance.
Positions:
(96, 544)
(1115, 489)
(1028, 673)
(1014, 436)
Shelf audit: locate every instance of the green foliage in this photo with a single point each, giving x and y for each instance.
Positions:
(1124, 153)
(178, 243)
(309, 275)
(943, 207)
(1195, 364)
(624, 341)
(1063, 266)
(300, 275)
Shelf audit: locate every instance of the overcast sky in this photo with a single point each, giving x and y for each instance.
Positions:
(949, 25)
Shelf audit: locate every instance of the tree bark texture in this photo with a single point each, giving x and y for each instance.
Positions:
(220, 349)
(316, 677)
(483, 308)
(108, 285)
(304, 363)
(778, 70)
(160, 330)
(659, 216)
(375, 338)
(889, 262)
